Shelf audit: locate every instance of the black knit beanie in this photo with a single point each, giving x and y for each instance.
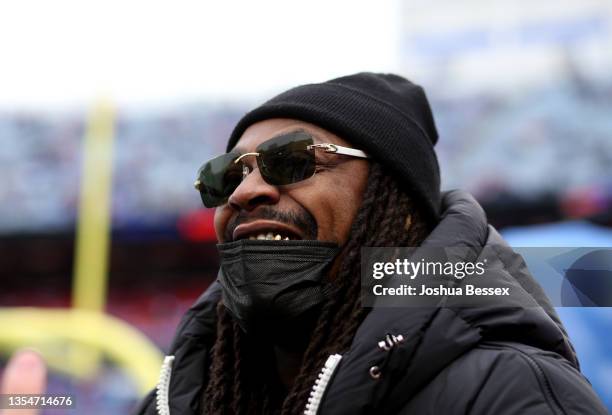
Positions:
(385, 115)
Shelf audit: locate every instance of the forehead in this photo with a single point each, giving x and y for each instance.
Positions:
(267, 129)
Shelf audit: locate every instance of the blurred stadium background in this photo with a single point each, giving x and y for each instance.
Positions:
(522, 97)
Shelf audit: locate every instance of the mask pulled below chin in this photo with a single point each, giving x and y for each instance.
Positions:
(268, 286)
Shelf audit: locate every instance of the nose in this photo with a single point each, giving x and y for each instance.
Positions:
(252, 192)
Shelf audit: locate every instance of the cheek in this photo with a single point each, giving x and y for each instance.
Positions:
(338, 209)
(222, 216)
(345, 213)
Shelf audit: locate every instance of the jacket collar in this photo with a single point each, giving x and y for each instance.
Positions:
(434, 336)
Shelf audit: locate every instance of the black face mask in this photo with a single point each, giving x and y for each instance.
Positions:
(270, 286)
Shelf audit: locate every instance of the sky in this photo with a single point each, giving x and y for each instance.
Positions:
(71, 52)
(66, 52)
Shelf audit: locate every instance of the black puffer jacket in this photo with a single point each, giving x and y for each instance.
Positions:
(453, 361)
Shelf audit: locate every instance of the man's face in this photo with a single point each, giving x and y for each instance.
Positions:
(322, 207)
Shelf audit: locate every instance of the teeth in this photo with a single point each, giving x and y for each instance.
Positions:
(268, 237)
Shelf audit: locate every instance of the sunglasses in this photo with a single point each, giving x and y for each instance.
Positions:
(283, 160)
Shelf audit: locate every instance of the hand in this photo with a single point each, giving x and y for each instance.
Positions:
(25, 373)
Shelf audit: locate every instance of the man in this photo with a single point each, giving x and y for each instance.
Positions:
(311, 177)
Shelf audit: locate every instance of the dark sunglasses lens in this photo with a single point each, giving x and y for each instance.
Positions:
(286, 159)
(218, 178)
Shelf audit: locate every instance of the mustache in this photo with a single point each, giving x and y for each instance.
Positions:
(302, 220)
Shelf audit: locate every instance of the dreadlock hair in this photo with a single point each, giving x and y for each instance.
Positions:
(387, 217)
